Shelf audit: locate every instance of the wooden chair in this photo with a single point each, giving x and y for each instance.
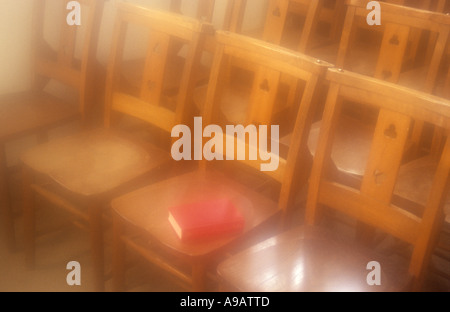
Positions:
(388, 65)
(38, 110)
(388, 57)
(417, 170)
(86, 170)
(141, 217)
(391, 62)
(314, 257)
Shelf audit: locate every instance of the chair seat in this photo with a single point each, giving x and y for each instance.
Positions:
(27, 112)
(147, 209)
(415, 182)
(93, 162)
(350, 133)
(308, 259)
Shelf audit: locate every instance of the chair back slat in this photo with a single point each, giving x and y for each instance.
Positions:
(275, 20)
(390, 137)
(388, 67)
(165, 33)
(156, 63)
(263, 96)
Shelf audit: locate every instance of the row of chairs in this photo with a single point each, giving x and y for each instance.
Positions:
(92, 168)
(159, 243)
(400, 51)
(410, 48)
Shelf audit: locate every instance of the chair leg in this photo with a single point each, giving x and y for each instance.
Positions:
(96, 237)
(6, 214)
(199, 276)
(118, 255)
(28, 217)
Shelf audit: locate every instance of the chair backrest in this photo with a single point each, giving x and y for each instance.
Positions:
(313, 12)
(261, 91)
(159, 30)
(373, 202)
(62, 64)
(398, 22)
(400, 48)
(205, 9)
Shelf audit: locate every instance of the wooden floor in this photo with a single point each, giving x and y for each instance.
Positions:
(68, 243)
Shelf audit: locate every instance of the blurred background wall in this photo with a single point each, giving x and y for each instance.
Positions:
(15, 33)
(15, 45)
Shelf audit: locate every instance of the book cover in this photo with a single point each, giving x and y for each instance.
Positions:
(206, 219)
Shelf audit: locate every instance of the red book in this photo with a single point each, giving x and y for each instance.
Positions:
(206, 219)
